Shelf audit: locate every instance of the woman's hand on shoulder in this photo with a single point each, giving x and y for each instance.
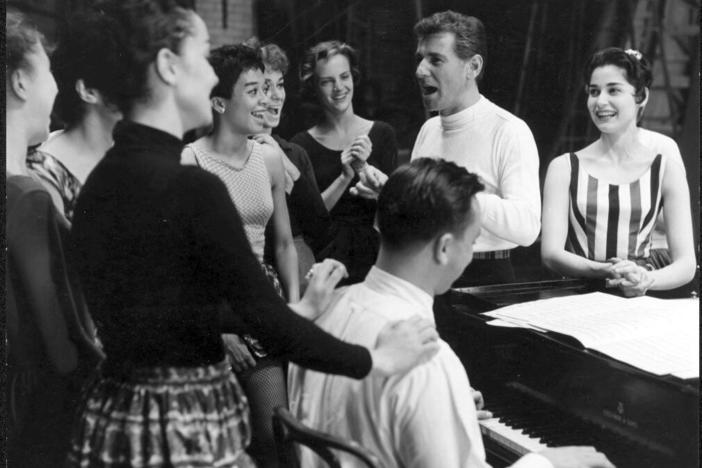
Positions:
(266, 139)
(273, 159)
(403, 345)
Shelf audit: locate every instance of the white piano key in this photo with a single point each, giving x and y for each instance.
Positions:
(513, 439)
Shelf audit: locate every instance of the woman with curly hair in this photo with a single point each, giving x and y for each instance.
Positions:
(344, 148)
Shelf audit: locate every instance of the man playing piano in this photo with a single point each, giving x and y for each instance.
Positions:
(428, 221)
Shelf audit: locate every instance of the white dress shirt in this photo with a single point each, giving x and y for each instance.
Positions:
(500, 148)
(423, 418)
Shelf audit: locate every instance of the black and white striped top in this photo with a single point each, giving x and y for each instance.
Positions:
(613, 220)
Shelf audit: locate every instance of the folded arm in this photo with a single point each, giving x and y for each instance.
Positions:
(514, 214)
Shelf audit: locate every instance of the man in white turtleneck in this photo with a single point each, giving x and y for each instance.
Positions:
(480, 136)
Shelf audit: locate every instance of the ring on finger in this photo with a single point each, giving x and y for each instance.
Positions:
(310, 273)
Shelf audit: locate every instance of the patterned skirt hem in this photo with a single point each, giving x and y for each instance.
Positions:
(180, 417)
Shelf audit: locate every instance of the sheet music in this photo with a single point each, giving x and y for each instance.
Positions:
(657, 335)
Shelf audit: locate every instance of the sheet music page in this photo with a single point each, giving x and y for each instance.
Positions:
(657, 335)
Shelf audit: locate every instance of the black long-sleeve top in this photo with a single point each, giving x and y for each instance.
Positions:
(160, 246)
(308, 215)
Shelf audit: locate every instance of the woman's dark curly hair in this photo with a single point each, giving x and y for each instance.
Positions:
(21, 38)
(143, 28)
(88, 50)
(637, 70)
(322, 51)
(229, 62)
(275, 58)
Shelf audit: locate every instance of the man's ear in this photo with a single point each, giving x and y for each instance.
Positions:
(165, 66)
(18, 84)
(441, 248)
(474, 66)
(89, 95)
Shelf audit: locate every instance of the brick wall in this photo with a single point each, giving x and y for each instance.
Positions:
(239, 20)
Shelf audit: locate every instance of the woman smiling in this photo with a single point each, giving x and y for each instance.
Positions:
(601, 203)
(344, 148)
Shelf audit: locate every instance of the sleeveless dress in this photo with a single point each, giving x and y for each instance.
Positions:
(250, 189)
(264, 384)
(607, 220)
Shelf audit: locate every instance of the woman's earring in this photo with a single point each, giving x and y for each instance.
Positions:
(218, 106)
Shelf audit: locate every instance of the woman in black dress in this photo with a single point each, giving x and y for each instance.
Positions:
(159, 247)
(344, 147)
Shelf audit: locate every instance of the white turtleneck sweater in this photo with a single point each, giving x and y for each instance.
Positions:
(499, 147)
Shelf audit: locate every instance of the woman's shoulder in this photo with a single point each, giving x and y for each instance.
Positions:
(303, 136)
(561, 162)
(26, 195)
(661, 144)
(314, 141)
(378, 126)
(48, 165)
(23, 185)
(296, 153)
(658, 142)
(194, 150)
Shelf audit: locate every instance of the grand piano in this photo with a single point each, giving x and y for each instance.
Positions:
(546, 390)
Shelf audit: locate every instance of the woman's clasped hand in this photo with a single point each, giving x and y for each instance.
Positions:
(631, 278)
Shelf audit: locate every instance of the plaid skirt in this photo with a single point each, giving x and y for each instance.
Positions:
(163, 416)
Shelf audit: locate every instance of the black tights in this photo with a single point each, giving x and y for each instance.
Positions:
(265, 388)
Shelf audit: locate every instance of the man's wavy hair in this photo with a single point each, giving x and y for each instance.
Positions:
(469, 32)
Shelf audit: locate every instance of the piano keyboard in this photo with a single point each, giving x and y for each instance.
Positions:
(514, 440)
(521, 425)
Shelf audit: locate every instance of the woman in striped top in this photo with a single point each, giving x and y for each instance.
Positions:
(601, 203)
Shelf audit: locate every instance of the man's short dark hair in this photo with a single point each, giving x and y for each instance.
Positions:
(423, 199)
(468, 30)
